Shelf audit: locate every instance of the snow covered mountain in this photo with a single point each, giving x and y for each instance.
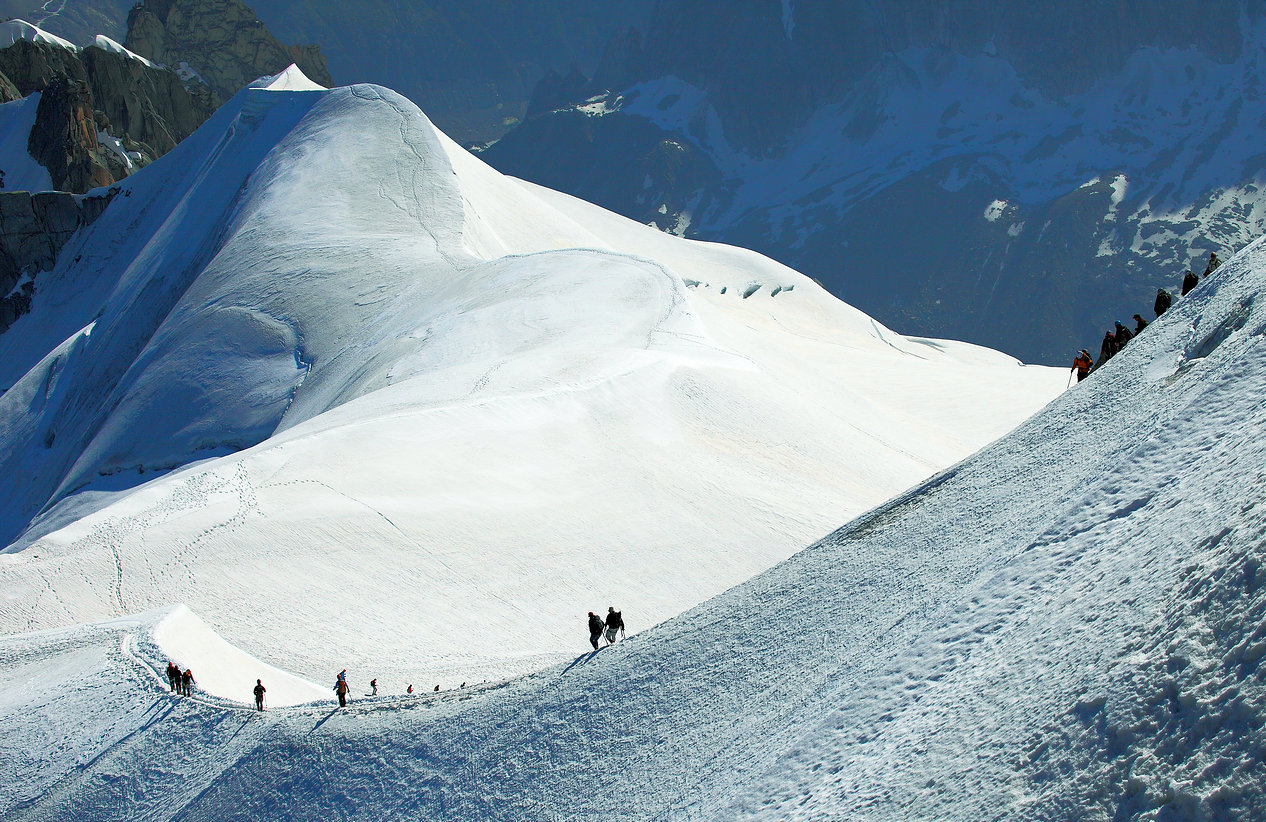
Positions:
(409, 415)
(1067, 625)
(1057, 165)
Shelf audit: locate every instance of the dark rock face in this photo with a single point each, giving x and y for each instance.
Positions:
(8, 91)
(148, 109)
(32, 66)
(33, 230)
(64, 138)
(224, 42)
(471, 65)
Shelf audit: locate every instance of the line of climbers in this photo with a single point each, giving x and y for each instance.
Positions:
(1116, 338)
(612, 626)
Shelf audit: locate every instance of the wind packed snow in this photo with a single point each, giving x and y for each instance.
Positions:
(1070, 624)
(290, 79)
(358, 401)
(106, 44)
(407, 416)
(14, 30)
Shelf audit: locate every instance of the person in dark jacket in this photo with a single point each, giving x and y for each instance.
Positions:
(1123, 335)
(173, 676)
(1214, 262)
(1189, 281)
(1163, 301)
(260, 690)
(1082, 364)
(615, 624)
(186, 679)
(340, 688)
(1107, 349)
(1139, 324)
(595, 629)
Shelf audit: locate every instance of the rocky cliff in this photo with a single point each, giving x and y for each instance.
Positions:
(145, 109)
(33, 230)
(222, 43)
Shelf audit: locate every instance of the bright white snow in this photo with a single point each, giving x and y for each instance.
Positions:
(106, 44)
(14, 30)
(1068, 625)
(425, 416)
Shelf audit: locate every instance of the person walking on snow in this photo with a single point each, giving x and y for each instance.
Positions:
(1107, 349)
(1189, 281)
(186, 679)
(1163, 301)
(260, 690)
(1123, 335)
(373, 684)
(1139, 324)
(173, 676)
(615, 624)
(340, 688)
(595, 629)
(1214, 262)
(1082, 365)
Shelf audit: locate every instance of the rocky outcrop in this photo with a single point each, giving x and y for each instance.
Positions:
(224, 43)
(64, 139)
(146, 108)
(33, 230)
(8, 91)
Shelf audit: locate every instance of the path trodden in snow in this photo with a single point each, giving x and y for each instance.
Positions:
(361, 402)
(1068, 625)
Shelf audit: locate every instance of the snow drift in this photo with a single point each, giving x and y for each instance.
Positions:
(410, 416)
(1067, 625)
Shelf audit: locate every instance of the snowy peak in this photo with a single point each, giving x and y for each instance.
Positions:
(289, 79)
(319, 316)
(14, 30)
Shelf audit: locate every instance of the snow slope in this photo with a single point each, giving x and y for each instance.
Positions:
(1067, 625)
(360, 401)
(21, 172)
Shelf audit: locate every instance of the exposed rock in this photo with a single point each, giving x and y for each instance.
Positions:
(148, 108)
(8, 91)
(556, 91)
(33, 230)
(64, 138)
(224, 42)
(32, 66)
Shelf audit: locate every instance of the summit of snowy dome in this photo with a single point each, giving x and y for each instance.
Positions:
(106, 44)
(11, 31)
(291, 78)
(473, 379)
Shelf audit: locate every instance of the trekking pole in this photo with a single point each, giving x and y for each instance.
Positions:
(1070, 381)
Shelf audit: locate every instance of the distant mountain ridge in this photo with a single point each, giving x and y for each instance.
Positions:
(224, 44)
(1058, 167)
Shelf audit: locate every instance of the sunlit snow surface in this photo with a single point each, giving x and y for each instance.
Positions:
(472, 409)
(1068, 625)
(555, 410)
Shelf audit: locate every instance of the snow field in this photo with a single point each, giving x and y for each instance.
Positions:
(413, 418)
(1065, 625)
